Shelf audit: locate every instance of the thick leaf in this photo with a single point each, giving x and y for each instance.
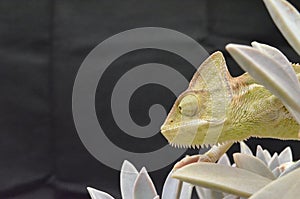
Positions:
(276, 172)
(128, 176)
(270, 74)
(261, 155)
(143, 186)
(224, 159)
(285, 187)
(245, 149)
(223, 178)
(290, 168)
(171, 186)
(267, 155)
(253, 164)
(287, 19)
(286, 156)
(274, 162)
(231, 197)
(205, 193)
(96, 194)
(279, 57)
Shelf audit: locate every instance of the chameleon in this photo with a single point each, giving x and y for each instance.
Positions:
(251, 111)
(218, 110)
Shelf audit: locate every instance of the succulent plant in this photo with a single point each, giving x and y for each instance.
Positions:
(247, 176)
(240, 180)
(138, 185)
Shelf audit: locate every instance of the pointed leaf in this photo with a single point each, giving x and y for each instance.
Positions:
(128, 176)
(279, 57)
(96, 194)
(276, 172)
(274, 162)
(245, 149)
(267, 155)
(287, 19)
(290, 168)
(143, 186)
(286, 155)
(270, 74)
(224, 159)
(252, 164)
(284, 187)
(170, 188)
(260, 154)
(223, 178)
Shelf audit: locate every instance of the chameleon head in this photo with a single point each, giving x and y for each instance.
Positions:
(187, 121)
(198, 112)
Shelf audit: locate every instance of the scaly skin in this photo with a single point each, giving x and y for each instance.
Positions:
(251, 111)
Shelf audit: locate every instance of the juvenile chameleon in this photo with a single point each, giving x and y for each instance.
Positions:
(219, 110)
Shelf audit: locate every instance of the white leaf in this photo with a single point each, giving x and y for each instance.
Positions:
(286, 155)
(279, 57)
(245, 149)
(253, 164)
(222, 178)
(290, 167)
(224, 159)
(128, 176)
(170, 189)
(284, 187)
(274, 162)
(270, 74)
(267, 155)
(96, 194)
(260, 154)
(287, 19)
(205, 193)
(143, 186)
(276, 172)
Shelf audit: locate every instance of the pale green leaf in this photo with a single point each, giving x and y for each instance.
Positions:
(253, 164)
(270, 74)
(285, 187)
(205, 193)
(287, 19)
(223, 178)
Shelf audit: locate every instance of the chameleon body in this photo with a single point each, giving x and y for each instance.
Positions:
(242, 109)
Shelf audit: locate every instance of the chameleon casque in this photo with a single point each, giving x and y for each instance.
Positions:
(219, 110)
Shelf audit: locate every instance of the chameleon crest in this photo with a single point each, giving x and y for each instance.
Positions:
(217, 108)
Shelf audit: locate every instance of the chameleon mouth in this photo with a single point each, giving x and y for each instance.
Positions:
(194, 146)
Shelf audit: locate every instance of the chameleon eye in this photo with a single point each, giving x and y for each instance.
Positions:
(189, 105)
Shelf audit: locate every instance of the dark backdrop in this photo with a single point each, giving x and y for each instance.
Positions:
(42, 44)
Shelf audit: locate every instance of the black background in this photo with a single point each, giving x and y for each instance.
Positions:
(42, 44)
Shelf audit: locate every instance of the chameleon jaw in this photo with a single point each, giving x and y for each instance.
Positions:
(187, 134)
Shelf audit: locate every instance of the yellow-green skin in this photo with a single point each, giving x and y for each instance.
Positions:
(252, 111)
